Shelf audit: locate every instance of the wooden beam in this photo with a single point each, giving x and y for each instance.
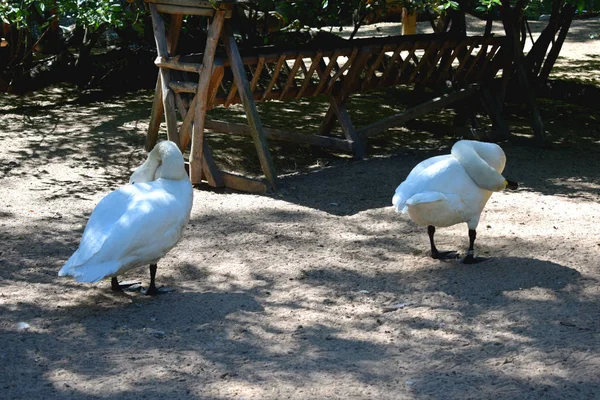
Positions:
(494, 109)
(348, 127)
(214, 84)
(239, 74)
(243, 184)
(173, 32)
(183, 86)
(201, 12)
(343, 69)
(157, 105)
(184, 128)
(192, 3)
(277, 134)
(350, 83)
(291, 76)
(155, 116)
(213, 176)
(327, 72)
(311, 70)
(274, 77)
(212, 39)
(174, 63)
(167, 94)
(412, 113)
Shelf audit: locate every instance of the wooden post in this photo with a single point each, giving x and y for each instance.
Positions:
(239, 74)
(509, 21)
(337, 105)
(409, 21)
(348, 128)
(417, 111)
(214, 32)
(168, 100)
(157, 104)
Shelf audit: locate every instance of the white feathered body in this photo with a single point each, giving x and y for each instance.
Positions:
(441, 190)
(138, 223)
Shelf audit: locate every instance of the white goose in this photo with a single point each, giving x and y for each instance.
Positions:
(136, 224)
(446, 190)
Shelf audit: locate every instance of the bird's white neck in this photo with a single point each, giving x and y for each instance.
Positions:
(484, 163)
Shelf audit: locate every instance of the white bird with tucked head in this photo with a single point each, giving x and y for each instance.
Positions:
(446, 190)
(136, 224)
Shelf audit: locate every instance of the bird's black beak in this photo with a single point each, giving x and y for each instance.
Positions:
(512, 185)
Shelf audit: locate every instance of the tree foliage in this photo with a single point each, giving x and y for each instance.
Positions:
(72, 28)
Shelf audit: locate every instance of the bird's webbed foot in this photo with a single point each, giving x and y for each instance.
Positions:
(444, 255)
(117, 286)
(471, 259)
(151, 291)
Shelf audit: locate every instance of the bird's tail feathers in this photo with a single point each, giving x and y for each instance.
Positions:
(90, 273)
(399, 203)
(425, 197)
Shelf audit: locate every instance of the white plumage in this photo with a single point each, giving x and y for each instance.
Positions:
(446, 190)
(138, 223)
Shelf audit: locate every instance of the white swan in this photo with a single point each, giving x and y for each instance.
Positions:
(136, 224)
(446, 190)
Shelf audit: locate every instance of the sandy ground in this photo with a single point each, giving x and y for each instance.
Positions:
(284, 296)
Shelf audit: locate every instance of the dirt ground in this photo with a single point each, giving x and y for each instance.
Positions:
(288, 295)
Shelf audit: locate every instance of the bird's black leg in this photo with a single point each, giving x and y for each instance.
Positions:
(117, 286)
(152, 288)
(435, 253)
(470, 258)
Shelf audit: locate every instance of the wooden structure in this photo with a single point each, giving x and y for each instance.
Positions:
(193, 84)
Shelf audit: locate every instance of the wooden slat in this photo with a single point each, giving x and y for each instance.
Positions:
(257, 72)
(190, 3)
(260, 143)
(424, 62)
(325, 76)
(274, 77)
(373, 67)
(344, 68)
(349, 86)
(156, 114)
(274, 95)
(230, 95)
(391, 65)
(184, 128)
(446, 65)
(303, 67)
(167, 94)
(213, 175)
(348, 128)
(434, 64)
(488, 60)
(277, 134)
(463, 62)
(291, 76)
(474, 62)
(180, 106)
(196, 152)
(173, 32)
(313, 65)
(412, 113)
(185, 10)
(213, 87)
(183, 86)
(243, 184)
(404, 66)
(174, 63)
(157, 111)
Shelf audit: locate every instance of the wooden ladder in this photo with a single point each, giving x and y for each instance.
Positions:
(168, 99)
